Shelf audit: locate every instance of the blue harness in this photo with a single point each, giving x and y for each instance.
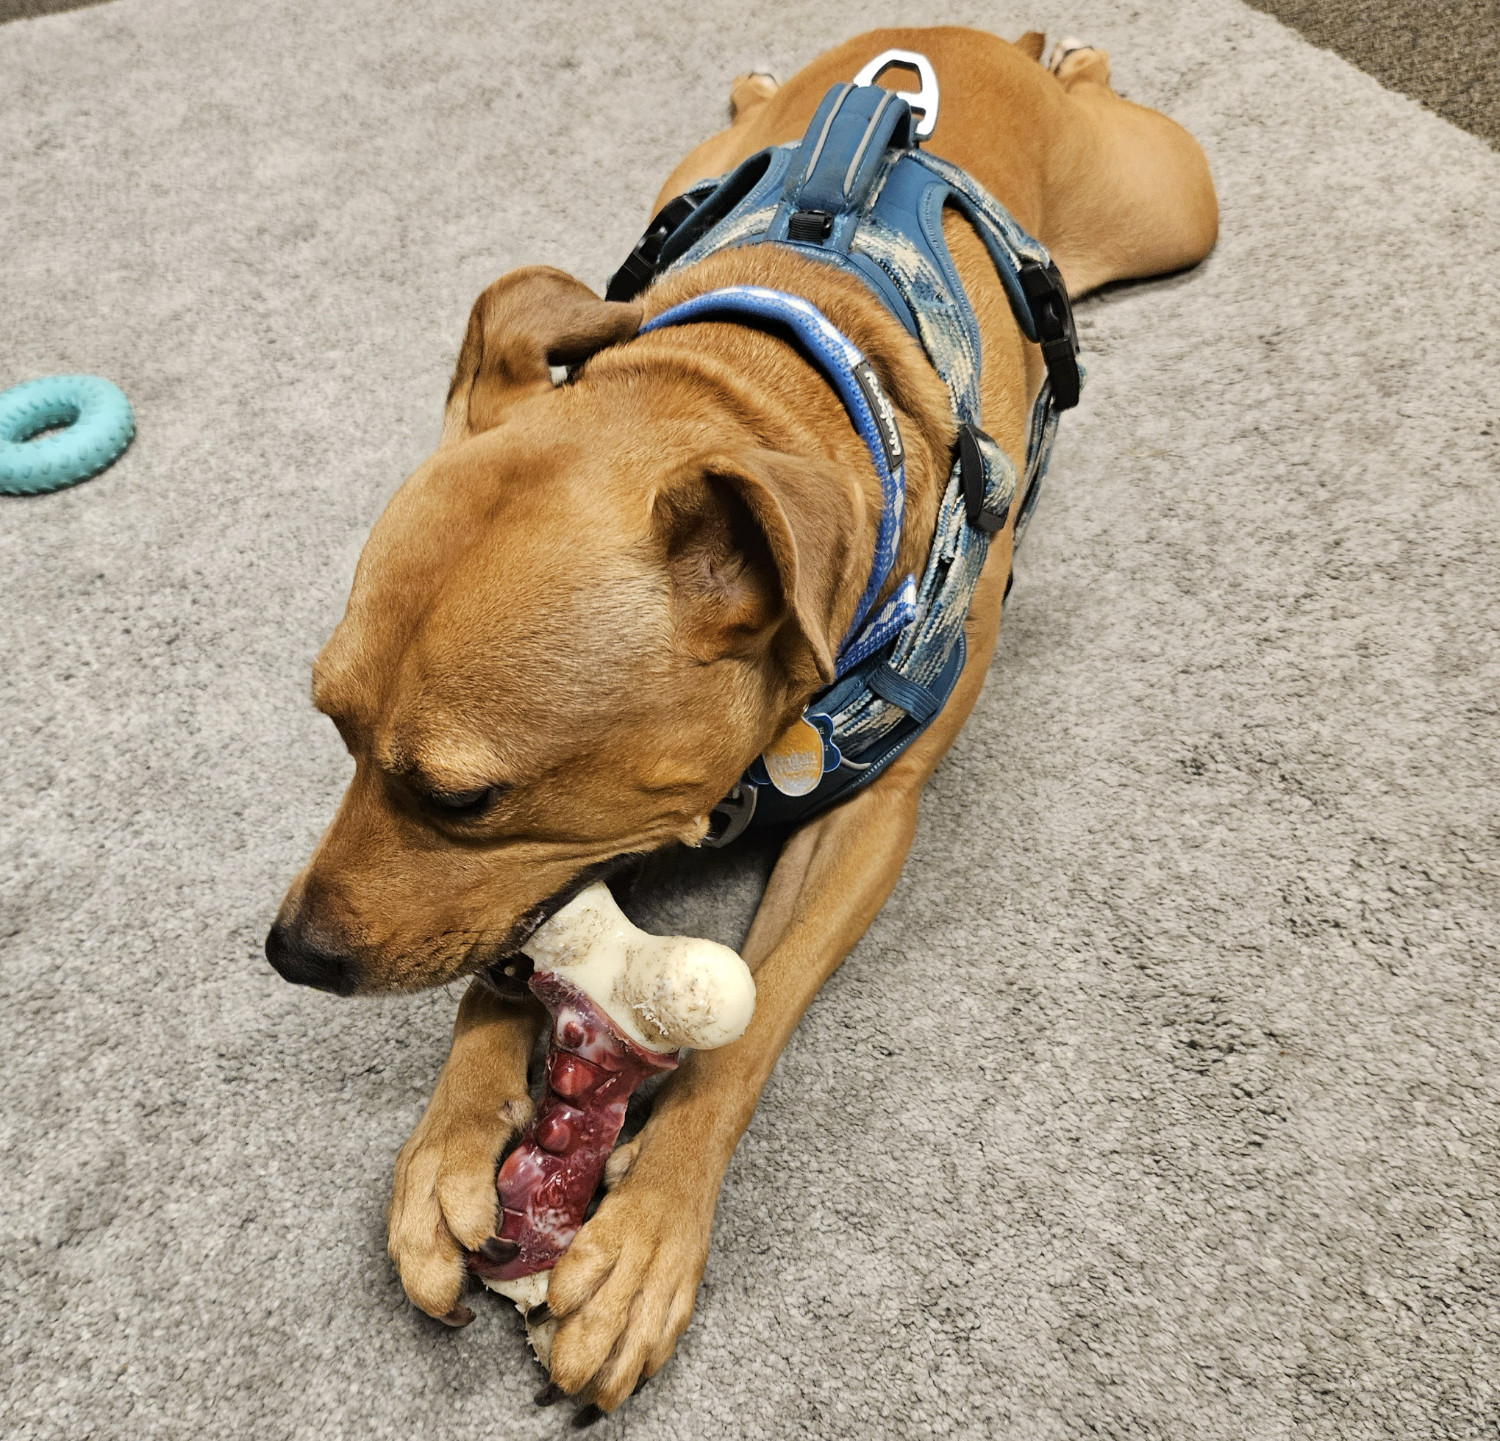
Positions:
(857, 194)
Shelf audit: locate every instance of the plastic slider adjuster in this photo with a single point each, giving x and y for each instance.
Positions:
(971, 463)
(1047, 297)
(809, 226)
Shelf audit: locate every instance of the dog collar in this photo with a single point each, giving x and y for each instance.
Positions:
(854, 380)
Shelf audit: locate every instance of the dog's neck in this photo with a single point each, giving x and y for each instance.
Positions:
(788, 403)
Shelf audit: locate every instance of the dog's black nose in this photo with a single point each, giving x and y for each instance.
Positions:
(304, 964)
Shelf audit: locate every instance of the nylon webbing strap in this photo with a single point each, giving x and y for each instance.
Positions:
(874, 419)
(916, 700)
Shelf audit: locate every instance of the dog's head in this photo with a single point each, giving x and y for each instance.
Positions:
(569, 632)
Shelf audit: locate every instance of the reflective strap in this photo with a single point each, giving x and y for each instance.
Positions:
(873, 416)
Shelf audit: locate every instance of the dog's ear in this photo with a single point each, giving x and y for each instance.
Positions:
(759, 547)
(526, 322)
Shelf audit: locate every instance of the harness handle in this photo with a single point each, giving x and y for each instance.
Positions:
(844, 150)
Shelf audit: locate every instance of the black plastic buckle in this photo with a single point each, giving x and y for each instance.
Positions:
(728, 819)
(1053, 318)
(640, 266)
(809, 226)
(971, 461)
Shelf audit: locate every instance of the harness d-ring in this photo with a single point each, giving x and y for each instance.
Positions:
(925, 99)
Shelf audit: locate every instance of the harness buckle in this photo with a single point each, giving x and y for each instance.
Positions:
(728, 819)
(924, 100)
(1047, 298)
(640, 266)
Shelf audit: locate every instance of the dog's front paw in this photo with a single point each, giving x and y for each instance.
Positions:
(443, 1203)
(625, 1290)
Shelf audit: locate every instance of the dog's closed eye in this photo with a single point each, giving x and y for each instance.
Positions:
(460, 805)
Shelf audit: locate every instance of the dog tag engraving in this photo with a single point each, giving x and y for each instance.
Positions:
(795, 761)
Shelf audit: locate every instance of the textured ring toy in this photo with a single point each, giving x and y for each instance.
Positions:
(96, 425)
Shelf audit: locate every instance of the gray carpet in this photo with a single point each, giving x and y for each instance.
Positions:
(1443, 55)
(1444, 58)
(1162, 1099)
(30, 9)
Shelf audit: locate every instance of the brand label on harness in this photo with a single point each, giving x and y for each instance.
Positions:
(885, 414)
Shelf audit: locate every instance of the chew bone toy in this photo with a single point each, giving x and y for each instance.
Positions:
(623, 1003)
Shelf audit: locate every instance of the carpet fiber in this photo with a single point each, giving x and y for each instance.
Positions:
(1161, 1100)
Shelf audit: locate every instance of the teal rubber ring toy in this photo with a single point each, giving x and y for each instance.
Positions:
(97, 422)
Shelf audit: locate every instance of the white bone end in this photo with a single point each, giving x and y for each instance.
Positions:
(529, 1292)
(690, 993)
(663, 992)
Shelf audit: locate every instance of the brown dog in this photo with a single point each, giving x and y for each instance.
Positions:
(580, 620)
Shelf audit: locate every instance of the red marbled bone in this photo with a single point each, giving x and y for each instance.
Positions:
(547, 1182)
(572, 1076)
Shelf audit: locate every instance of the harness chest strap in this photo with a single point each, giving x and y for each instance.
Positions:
(856, 194)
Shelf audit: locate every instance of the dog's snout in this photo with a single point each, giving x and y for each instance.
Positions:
(299, 960)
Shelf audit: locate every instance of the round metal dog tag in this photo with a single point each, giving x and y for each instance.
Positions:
(795, 761)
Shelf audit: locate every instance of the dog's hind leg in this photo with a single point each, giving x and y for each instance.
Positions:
(1129, 192)
(443, 1202)
(749, 93)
